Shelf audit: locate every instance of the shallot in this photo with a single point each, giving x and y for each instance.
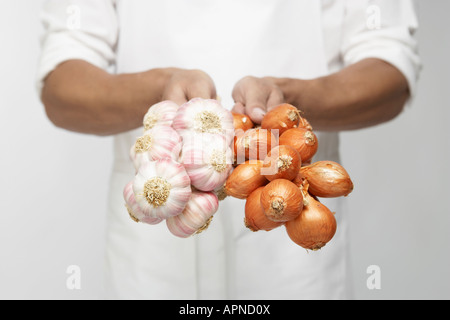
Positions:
(314, 227)
(327, 179)
(281, 200)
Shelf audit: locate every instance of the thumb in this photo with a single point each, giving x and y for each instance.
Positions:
(255, 105)
(255, 110)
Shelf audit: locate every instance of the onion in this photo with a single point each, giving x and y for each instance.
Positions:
(255, 219)
(254, 144)
(327, 179)
(244, 179)
(242, 121)
(281, 118)
(303, 140)
(237, 134)
(303, 123)
(282, 162)
(299, 179)
(281, 200)
(314, 227)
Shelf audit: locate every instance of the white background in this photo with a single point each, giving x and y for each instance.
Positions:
(53, 183)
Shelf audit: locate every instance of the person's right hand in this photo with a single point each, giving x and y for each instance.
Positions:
(183, 85)
(256, 96)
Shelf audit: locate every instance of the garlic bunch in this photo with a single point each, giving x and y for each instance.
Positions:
(196, 216)
(156, 143)
(133, 208)
(162, 188)
(161, 113)
(207, 158)
(204, 115)
(182, 161)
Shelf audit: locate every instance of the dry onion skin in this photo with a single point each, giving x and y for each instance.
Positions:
(327, 179)
(281, 200)
(244, 179)
(303, 123)
(242, 121)
(281, 118)
(301, 139)
(254, 144)
(314, 227)
(255, 219)
(282, 162)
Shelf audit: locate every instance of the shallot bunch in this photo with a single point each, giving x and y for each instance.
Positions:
(282, 185)
(181, 160)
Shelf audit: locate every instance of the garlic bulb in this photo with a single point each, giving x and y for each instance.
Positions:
(161, 113)
(207, 158)
(162, 188)
(156, 143)
(204, 116)
(196, 216)
(133, 208)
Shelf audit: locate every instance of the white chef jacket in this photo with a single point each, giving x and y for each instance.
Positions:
(228, 40)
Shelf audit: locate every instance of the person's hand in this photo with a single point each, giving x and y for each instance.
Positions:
(256, 96)
(183, 85)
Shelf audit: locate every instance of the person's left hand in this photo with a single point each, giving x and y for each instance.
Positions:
(256, 96)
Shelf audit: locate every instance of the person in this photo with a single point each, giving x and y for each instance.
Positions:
(346, 64)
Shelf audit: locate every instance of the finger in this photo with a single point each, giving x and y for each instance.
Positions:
(176, 95)
(276, 98)
(238, 108)
(236, 94)
(201, 90)
(255, 104)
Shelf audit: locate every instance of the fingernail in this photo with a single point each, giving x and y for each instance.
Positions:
(257, 114)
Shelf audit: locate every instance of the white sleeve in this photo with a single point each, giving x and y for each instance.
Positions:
(77, 29)
(383, 29)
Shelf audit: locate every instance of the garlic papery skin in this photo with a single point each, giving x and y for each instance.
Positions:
(161, 113)
(156, 143)
(204, 116)
(133, 208)
(162, 188)
(207, 158)
(196, 216)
